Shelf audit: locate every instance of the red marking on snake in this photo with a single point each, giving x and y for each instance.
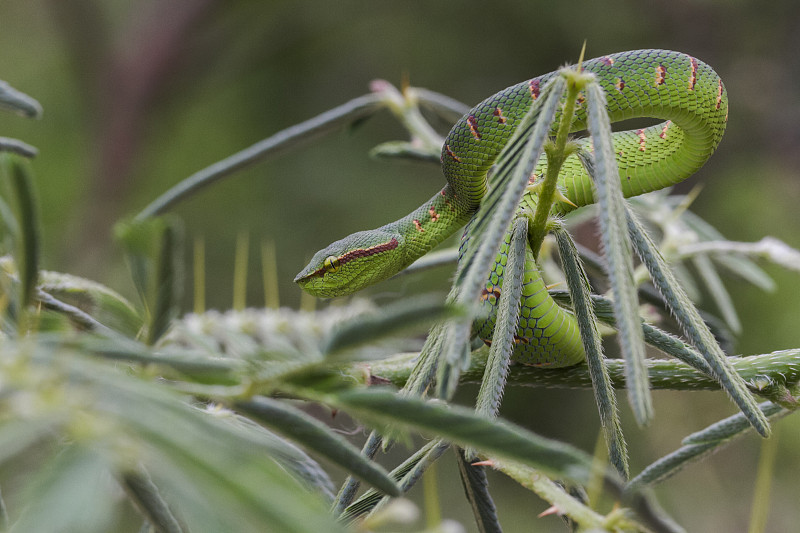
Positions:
(521, 340)
(365, 252)
(446, 199)
(486, 294)
(434, 214)
(473, 127)
(693, 73)
(360, 252)
(642, 140)
(418, 226)
(581, 99)
(663, 133)
(499, 114)
(719, 94)
(661, 75)
(620, 84)
(451, 154)
(607, 61)
(534, 85)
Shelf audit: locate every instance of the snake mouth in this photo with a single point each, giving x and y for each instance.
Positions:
(341, 259)
(308, 282)
(307, 274)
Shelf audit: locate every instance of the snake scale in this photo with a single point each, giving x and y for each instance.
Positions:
(683, 92)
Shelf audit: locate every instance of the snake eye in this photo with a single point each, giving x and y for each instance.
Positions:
(331, 264)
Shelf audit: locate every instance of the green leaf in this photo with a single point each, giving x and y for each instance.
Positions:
(77, 317)
(602, 166)
(427, 363)
(733, 426)
(18, 435)
(484, 234)
(693, 326)
(699, 445)
(385, 322)
(154, 249)
(407, 474)
(762, 501)
(351, 485)
(18, 102)
(214, 475)
(15, 146)
(139, 240)
(552, 492)
(70, 492)
(26, 256)
(168, 282)
(143, 491)
(494, 378)
(463, 427)
(747, 270)
(189, 364)
(316, 436)
(580, 294)
(669, 344)
(298, 134)
(434, 259)
(476, 489)
(196, 459)
(406, 151)
(443, 105)
(285, 453)
(99, 301)
(738, 264)
(716, 288)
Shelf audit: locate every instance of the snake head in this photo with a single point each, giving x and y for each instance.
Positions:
(352, 263)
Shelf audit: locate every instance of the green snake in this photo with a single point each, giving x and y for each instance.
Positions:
(677, 88)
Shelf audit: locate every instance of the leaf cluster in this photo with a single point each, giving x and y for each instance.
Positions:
(211, 421)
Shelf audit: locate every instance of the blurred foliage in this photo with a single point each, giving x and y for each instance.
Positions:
(137, 98)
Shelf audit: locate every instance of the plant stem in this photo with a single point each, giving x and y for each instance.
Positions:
(761, 493)
(557, 153)
(549, 491)
(665, 374)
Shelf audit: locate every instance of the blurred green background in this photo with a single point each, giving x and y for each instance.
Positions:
(139, 95)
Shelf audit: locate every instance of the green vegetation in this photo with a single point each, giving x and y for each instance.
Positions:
(124, 413)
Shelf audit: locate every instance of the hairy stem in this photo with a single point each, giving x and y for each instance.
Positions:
(664, 374)
(556, 153)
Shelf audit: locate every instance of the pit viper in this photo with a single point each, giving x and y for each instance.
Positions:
(682, 92)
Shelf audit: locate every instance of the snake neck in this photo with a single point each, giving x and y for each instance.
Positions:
(431, 223)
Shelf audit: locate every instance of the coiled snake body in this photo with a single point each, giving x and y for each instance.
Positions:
(680, 90)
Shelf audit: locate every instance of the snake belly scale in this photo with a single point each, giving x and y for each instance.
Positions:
(683, 92)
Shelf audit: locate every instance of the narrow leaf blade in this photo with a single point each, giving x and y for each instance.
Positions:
(693, 326)
(476, 488)
(515, 164)
(27, 241)
(462, 426)
(496, 373)
(579, 289)
(18, 102)
(617, 249)
(317, 436)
